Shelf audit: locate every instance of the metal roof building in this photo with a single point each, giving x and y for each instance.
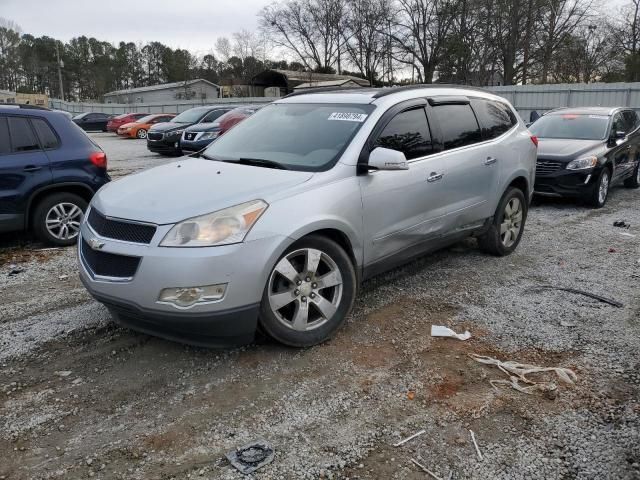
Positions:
(288, 80)
(198, 89)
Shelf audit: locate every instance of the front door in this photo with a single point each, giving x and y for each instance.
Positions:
(403, 208)
(24, 167)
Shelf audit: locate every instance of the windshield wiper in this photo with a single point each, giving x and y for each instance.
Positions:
(258, 162)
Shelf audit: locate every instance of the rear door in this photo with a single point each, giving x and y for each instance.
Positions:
(470, 166)
(24, 168)
(403, 209)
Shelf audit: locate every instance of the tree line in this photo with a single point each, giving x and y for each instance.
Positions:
(480, 42)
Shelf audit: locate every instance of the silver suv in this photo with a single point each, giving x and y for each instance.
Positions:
(278, 221)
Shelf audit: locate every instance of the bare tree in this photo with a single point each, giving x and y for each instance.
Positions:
(223, 47)
(246, 44)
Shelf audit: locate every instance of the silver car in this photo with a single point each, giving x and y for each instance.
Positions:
(278, 222)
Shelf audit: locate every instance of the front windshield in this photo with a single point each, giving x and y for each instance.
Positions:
(296, 136)
(571, 126)
(190, 116)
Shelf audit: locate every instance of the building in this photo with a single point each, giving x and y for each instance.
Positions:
(38, 99)
(198, 89)
(288, 80)
(345, 83)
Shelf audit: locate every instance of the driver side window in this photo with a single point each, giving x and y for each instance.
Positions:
(408, 132)
(619, 124)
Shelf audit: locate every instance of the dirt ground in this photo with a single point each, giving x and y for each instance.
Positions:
(82, 398)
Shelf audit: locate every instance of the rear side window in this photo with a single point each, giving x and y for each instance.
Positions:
(458, 125)
(47, 137)
(22, 136)
(408, 132)
(495, 118)
(5, 143)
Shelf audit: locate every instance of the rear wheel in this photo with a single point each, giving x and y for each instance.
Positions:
(634, 180)
(600, 192)
(310, 291)
(57, 218)
(142, 133)
(507, 225)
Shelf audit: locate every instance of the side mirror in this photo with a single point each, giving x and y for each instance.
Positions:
(386, 159)
(617, 138)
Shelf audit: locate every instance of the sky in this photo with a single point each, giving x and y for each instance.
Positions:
(190, 24)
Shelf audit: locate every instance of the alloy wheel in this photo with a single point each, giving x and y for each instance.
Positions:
(305, 289)
(63, 221)
(142, 133)
(603, 188)
(511, 222)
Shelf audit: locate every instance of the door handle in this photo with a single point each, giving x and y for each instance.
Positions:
(434, 177)
(32, 168)
(490, 161)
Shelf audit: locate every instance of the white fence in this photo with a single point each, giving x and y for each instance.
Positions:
(527, 98)
(174, 107)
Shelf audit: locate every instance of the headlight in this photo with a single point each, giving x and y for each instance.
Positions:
(223, 227)
(209, 135)
(583, 163)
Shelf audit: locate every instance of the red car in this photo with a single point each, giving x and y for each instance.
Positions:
(117, 122)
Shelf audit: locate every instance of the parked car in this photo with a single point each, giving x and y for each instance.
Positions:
(116, 122)
(584, 151)
(139, 128)
(279, 220)
(92, 122)
(199, 136)
(49, 170)
(165, 138)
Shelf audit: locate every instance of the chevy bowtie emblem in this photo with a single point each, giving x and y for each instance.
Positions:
(95, 243)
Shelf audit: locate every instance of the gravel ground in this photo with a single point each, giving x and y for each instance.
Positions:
(82, 397)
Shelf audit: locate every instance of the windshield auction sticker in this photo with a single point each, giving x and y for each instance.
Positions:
(348, 117)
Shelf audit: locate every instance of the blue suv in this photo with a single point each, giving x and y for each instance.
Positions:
(49, 170)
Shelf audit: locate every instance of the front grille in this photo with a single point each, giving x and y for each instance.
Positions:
(190, 135)
(155, 136)
(547, 167)
(108, 264)
(119, 230)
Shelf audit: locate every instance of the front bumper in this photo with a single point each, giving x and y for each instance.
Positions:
(134, 302)
(165, 146)
(567, 183)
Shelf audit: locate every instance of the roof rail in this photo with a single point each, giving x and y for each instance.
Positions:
(24, 106)
(391, 90)
(325, 90)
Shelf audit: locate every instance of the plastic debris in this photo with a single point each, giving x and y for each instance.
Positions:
(252, 456)
(62, 373)
(402, 442)
(518, 372)
(475, 444)
(626, 234)
(425, 469)
(440, 331)
(15, 270)
(586, 294)
(621, 224)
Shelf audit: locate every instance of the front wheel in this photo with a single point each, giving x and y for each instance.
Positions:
(57, 218)
(309, 293)
(142, 133)
(600, 192)
(507, 226)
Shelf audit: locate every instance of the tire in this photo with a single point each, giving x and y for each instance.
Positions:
(55, 207)
(598, 196)
(141, 133)
(295, 309)
(511, 215)
(634, 180)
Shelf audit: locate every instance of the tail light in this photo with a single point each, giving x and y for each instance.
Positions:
(99, 159)
(534, 139)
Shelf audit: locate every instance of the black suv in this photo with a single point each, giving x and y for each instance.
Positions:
(164, 138)
(49, 170)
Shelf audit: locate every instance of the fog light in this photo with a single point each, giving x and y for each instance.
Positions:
(188, 296)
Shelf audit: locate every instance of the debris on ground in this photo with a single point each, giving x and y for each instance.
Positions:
(625, 234)
(475, 444)
(613, 250)
(62, 373)
(402, 442)
(249, 458)
(518, 373)
(440, 331)
(610, 301)
(621, 224)
(568, 324)
(425, 469)
(15, 270)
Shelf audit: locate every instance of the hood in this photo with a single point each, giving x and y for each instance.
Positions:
(565, 150)
(168, 126)
(190, 187)
(129, 124)
(204, 127)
